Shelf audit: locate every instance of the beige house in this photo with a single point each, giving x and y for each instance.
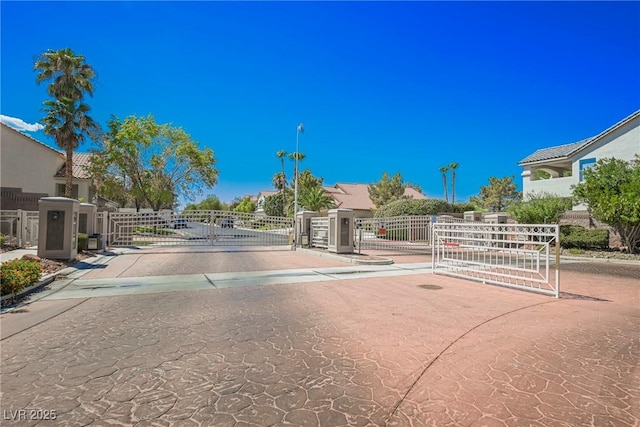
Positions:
(564, 164)
(30, 170)
(356, 198)
(346, 196)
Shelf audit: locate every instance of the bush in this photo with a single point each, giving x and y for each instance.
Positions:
(1, 240)
(575, 236)
(413, 207)
(463, 207)
(83, 240)
(17, 274)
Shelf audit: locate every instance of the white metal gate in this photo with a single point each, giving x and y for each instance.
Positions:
(19, 228)
(514, 255)
(402, 233)
(197, 228)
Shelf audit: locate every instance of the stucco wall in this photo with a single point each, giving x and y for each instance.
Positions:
(27, 164)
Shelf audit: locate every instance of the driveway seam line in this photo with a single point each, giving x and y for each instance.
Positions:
(45, 320)
(424, 371)
(210, 281)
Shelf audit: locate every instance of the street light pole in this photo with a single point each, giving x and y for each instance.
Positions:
(299, 130)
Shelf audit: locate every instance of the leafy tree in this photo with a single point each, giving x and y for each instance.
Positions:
(67, 119)
(246, 205)
(453, 166)
(498, 195)
(387, 190)
(152, 161)
(542, 208)
(611, 188)
(273, 205)
(211, 203)
(443, 171)
(412, 207)
(309, 181)
(314, 199)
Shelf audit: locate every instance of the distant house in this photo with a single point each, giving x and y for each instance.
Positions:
(565, 164)
(260, 198)
(346, 196)
(30, 170)
(356, 198)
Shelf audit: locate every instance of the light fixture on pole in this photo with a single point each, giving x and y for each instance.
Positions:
(299, 130)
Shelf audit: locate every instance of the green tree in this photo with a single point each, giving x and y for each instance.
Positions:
(314, 199)
(67, 119)
(540, 208)
(413, 207)
(453, 166)
(309, 181)
(151, 161)
(443, 171)
(246, 205)
(611, 188)
(498, 195)
(387, 190)
(211, 203)
(273, 205)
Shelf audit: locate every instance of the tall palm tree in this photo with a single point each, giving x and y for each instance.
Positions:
(453, 166)
(67, 120)
(444, 170)
(71, 75)
(292, 156)
(69, 124)
(281, 155)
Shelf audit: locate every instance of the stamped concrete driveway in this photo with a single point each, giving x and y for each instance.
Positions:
(409, 350)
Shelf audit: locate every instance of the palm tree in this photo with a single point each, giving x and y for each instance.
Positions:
(283, 179)
(68, 123)
(453, 166)
(444, 170)
(292, 156)
(67, 120)
(314, 199)
(71, 76)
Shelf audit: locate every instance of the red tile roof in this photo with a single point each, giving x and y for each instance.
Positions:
(80, 163)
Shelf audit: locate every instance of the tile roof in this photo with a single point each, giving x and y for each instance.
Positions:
(80, 163)
(566, 150)
(559, 151)
(356, 196)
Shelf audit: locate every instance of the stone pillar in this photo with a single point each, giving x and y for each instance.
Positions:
(341, 222)
(303, 227)
(58, 228)
(87, 219)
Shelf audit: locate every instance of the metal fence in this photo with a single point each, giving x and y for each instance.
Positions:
(197, 228)
(403, 233)
(519, 256)
(19, 228)
(320, 232)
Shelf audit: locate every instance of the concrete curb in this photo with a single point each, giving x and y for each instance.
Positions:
(347, 258)
(592, 259)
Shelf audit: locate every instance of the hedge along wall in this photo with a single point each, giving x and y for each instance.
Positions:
(584, 219)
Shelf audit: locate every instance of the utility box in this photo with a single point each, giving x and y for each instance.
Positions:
(496, 218)
(58, 223)
(472, 216)
(341, 231)
(94, 242)
(87, 218)
(303, 225)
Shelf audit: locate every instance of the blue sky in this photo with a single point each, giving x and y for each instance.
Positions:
(380, 86)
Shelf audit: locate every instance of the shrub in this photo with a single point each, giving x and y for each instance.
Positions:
(412, 207)
(1, 240)
(17, 274)
(575, 236)
(83, 240)
(463, 207)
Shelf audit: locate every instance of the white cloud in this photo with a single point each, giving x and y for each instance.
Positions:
(20, 124)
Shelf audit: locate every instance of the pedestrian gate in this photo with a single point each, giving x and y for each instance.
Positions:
(519, 256)
(223, 228)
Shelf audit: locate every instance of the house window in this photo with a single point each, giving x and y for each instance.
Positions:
(586, 164)
(60, 190)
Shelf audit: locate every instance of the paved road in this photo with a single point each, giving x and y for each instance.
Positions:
(401, 350)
